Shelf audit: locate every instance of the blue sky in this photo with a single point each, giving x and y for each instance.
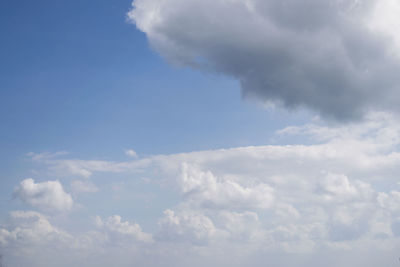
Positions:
(82, 79)
(255, 129)
(75, 76)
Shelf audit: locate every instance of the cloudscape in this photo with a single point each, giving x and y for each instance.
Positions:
(175, 133)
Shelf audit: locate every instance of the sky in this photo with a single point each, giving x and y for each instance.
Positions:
(199, 133)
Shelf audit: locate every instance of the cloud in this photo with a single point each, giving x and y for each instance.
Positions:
(339, 58)
(297, 198)
(314, 195)
(115, 226)
(131, 153)
(186, 226)
(203, 188)
(30, 239)
(84, 168)
(195, 226)
(31, 228)
(338, 197)
(48, 195)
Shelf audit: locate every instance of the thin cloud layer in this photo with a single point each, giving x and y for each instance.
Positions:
(339, 58)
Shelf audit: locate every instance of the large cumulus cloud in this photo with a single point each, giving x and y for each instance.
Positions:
(337, 57)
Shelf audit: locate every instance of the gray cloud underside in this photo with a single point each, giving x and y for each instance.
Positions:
(323, 55)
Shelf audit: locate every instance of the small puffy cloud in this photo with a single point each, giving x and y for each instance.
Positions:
(339, 58)
(131, 153)
(49, 196)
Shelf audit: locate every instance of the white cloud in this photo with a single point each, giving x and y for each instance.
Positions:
(30, 239)
(337, 187)
(131, 153)
(240, 226)
(31, 228)
(186, 226)
(85, 168)
(203, 188)
(300, 197)
(336, 195)
(48, 195)
(339, 58)
(115, 225)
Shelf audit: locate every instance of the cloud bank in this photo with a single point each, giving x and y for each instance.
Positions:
(339, 58)
(335, 202)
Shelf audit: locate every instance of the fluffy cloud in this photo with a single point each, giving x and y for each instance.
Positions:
(186, 226)
(339, 58)
(203, 188)
(32, 228)
(336, 196)
(31, 239)
(115, 225)
(48, 195)
(293, 198)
